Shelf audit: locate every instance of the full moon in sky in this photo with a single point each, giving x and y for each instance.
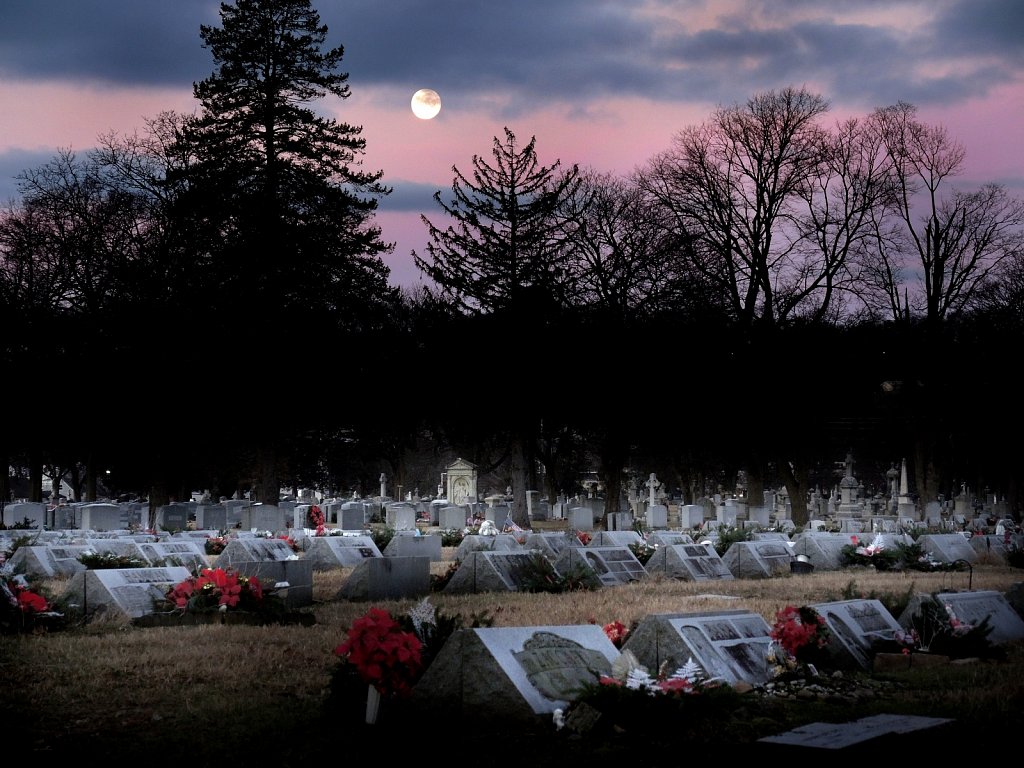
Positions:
(426, 103)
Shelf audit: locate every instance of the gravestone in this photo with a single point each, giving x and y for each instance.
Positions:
(688, 562)
(856, 625)
(973, 608)
(132, 591)
(729, 645)
(502, 542)
(615, 538)
(552, 543)
(759, 517)
(264, 517)
(18, 512)
(173, 517)
(47, 561)
(351, 516)
(190, 554)
(326, 553)
(272, 561)
(657, 516)
(387, 578)
(451, 518)
(102, 517)
(844, 735)
(488, 571)
(611, 564)
(666, 538)
(502, 676)
(947, 547)
(414, 546)
(116, 547)
(580, 519)
(214, 517)
(691, 516)
(401, 517)
(995, 548)
(758, 559)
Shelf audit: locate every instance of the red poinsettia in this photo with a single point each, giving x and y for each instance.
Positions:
(30, 602)
(385, 656)
(215, 587)
(797, 629)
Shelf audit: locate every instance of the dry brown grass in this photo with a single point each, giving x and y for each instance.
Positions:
(154, 690)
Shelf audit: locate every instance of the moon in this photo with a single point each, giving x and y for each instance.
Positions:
(426, 104)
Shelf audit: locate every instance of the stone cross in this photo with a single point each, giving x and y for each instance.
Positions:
(653, 485)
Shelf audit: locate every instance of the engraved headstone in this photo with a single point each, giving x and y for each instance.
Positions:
(514, 674)
(730, 645)
(688, 562)
(613, 565)
(387, 578)
(132, 591)
(973, 608)
(326, 553)
(488, 571)
(758, 559)
(856, 625)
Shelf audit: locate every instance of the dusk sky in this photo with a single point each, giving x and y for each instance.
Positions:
(600, 83)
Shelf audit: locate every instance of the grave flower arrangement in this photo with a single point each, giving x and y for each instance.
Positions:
(217, 589)
(616, 632)
(317, 520)
(935, 628)
(383, 654)
(214, 545)
(799, 638)
(631, 698)
(874, 554)
(24, 609)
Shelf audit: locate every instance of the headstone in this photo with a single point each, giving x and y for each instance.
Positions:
(666, 538)
(264, 517)
(552, 543)
(35, 512)
(856, 625)
(102, 517)
(581, 519)
(758, 559)
(414, 546)
(190, 554)
(691, 516)
(401, 517)
(688, 562)
(327, 553)
(842, 735)
(47, 561)
(729, 645)
(502, 542)
(759, 517)
(489, 571)
(214, 517)
(272, 561)
(973, 608)
(451, 518)
(947, 547)
(132, 591)
(611, 564)
(508, 675)
(615, 538)
(657, 516)
(173, 517)
(351, 516)
(387, 578)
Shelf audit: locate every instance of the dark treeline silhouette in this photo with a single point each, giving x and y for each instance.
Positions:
(205, 305)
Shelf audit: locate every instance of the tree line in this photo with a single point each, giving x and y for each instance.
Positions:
(205, 304)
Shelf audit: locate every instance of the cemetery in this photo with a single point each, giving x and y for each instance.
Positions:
(509, 664)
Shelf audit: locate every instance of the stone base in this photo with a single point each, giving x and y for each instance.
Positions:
(898, 662)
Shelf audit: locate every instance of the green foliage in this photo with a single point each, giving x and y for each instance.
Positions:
(96, 561)
(451, 537)
(439, 581)
(941, 632)
(642, 551)
(539, 575)
(729, 535)
(382, 535)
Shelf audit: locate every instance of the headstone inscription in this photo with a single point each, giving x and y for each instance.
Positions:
(758, 559)
(488, 571)
(326, 553)
(387, 578)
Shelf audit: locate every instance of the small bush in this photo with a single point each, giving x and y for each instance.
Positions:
(451, 537)
(96, 561)
(382, 536)
(727, 536)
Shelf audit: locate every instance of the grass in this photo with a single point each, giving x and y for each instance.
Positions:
(243, 695)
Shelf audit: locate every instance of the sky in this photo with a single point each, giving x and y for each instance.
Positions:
(603, 84)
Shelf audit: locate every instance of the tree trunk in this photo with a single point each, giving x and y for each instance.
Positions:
(797, 480)
(519, 484)
(269, 490)
(35, 476)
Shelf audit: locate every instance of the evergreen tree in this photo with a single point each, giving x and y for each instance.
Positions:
(287, 256)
